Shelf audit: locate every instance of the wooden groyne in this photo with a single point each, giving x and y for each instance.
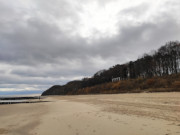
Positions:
(20, 102)
(20, 98)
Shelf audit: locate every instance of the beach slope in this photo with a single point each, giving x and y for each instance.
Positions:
(126, 114)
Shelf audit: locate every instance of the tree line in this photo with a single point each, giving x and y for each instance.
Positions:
(164, 61)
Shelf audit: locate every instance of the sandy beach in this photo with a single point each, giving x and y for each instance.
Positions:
(120, 114)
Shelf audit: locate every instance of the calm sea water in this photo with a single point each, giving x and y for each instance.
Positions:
(22, 95)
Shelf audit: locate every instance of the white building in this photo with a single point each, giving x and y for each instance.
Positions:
(116, 79)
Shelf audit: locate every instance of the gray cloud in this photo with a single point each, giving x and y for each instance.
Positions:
(137, 11)
(36, 51)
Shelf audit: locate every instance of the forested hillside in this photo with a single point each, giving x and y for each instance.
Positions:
(156, 66)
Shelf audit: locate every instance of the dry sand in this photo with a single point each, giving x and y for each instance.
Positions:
(121, 114)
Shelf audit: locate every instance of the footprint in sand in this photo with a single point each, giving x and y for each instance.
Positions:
(109, 117)
(69, 126)
(3, 131)
(11, 126)
(117, 120)
(96, 114)
(172, 124)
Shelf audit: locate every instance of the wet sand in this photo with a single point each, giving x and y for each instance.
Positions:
(120, 114)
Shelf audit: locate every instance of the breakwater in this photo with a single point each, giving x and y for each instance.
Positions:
(18, 100)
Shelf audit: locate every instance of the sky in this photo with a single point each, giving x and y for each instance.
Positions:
(45, 43)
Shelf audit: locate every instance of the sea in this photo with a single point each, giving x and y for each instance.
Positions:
(19, 93)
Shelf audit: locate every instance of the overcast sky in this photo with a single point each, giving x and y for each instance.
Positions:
(43, 43)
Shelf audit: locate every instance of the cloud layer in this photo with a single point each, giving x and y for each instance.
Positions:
(44, 43)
